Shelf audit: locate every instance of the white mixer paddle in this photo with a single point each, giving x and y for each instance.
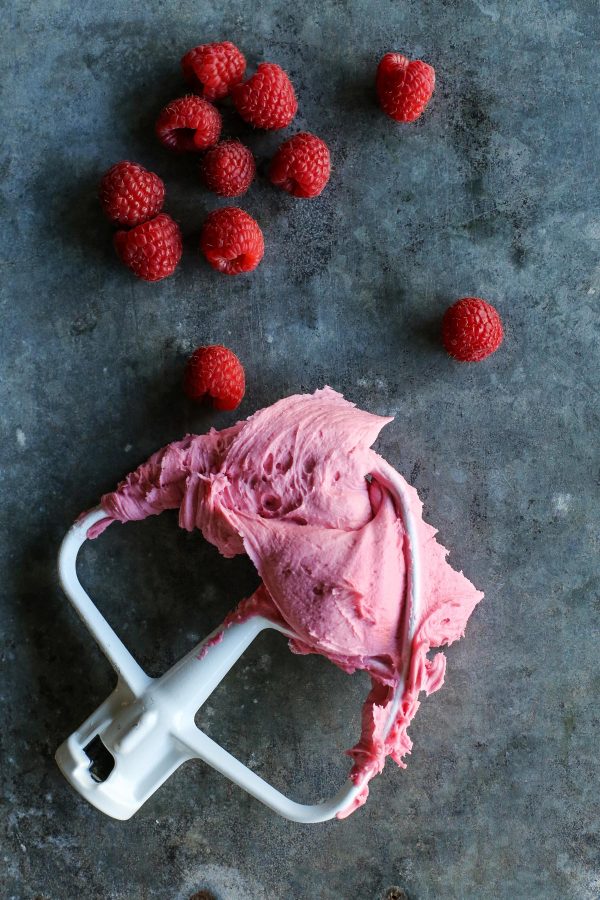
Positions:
(145, 729)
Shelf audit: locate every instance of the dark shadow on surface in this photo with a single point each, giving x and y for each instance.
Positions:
(66, 671)
(290, 718)
(426, 330)
(76, 218)
(354, 92)
(162, 588)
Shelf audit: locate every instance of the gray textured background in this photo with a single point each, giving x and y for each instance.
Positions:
(492, 192)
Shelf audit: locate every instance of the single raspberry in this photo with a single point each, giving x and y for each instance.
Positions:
(215, 373)
(267, 100)
(404, 88)
(213, 69)
(188, 124)
(471, 329)
(228, 169)
(232, 241)
(130, 194)
(301, 166)
(151, 250)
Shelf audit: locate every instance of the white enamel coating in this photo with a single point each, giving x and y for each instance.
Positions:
(147, 724)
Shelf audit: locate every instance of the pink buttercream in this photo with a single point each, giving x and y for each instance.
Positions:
(288, 487)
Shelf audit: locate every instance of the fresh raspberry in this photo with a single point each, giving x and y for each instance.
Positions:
(301, 166)
(130, 194)
(188, 124)
(216, 373)
(471, 329)
(267, 100)
(232, 241)
(151, 250)
(404, 88)
(228, 169)
(213, 69)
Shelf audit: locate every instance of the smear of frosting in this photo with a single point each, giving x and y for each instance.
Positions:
(288, 487)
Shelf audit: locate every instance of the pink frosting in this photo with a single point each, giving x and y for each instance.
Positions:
(288, 487)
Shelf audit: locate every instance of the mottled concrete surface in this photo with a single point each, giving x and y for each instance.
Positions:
(493, 192)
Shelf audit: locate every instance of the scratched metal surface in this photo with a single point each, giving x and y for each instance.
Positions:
(493, 192)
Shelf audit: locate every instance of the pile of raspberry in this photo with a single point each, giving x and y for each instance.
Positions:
(149, 241)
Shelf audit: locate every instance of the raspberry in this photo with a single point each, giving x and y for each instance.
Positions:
(232, 241)
(130, 194)
(213, 69)
(216, 373)
(301, 166)
(228, 169)
(151, 250)
(404, 88)
(188, 124)
(267, 100)
(471, 329)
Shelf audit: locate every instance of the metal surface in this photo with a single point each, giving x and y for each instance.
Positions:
(492, 192)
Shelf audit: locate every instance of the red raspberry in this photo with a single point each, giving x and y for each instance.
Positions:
(130, 194)
(267, 100)
(188, 124)
(216, 373)
(404, 88)
(301, 166)
(228, 169)
(151, 250)
(232, 241)
(213, 69)
(471, 329)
